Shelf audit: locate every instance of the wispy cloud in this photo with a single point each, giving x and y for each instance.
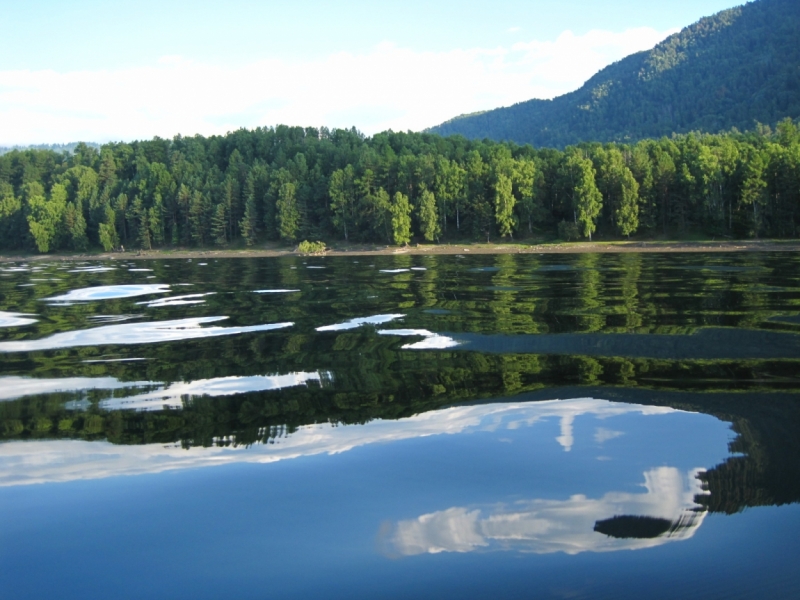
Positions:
(388, 87)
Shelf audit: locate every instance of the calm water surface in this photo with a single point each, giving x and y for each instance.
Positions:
(513, 426)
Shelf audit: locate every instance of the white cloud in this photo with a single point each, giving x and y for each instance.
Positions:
(389, 87)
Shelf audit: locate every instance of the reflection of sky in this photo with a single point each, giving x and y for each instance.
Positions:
(172, 394)
(110, 292)
(63, 460)
(430, 341)
(14, 387)
(136, 333)
(545, 526)
(460, 482)
(177, 300)
(11, 319)
(18, 387)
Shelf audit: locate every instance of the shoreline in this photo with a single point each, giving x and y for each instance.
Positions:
(430, 249)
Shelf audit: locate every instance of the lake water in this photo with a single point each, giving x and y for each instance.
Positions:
(512, 426)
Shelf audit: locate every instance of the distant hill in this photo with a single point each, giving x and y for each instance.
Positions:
(68, 148)
(732, 69)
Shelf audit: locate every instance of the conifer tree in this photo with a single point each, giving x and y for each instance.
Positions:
(288, 215)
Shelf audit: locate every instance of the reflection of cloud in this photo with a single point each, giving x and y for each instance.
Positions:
(136, 333)
(91, 269)
(430, 341)
(603, 435)
(110, 292)
(172, 395)
(354, 323)
(566, 439)
(10, 319)
(65, 460)
(546, 526)
(177, 300)
(18, 387)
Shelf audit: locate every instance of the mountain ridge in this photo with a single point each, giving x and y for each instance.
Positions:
(729, 70)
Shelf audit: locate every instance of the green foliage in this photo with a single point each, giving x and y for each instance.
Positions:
(401, 219)
(45, 216)
(587, 201)
(311, 248)
(428, 219)
(288, 214)
(290, 184)
(504, 202)
(568, 231)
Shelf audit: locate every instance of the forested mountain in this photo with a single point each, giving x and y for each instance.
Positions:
(290, 184)
(730, 70)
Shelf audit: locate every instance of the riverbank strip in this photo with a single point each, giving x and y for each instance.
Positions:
(429, 249)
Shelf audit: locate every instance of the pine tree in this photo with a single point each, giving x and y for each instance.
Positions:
(288, 215)
(219, 224)
(107, 230)
(199, 211)
(249, 223)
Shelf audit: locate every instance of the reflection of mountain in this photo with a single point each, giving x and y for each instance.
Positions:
(578, 524)
(710, 344)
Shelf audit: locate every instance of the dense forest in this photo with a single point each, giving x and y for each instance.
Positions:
(291, 184)
(730, 70)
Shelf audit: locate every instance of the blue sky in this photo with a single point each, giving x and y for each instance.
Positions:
(103, 71)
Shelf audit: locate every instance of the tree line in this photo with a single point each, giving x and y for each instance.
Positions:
(290, 183)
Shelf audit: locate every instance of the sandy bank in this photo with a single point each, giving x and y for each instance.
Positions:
(428, 249)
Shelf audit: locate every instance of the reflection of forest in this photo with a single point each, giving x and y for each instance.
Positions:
(765, 469)
(712, 334)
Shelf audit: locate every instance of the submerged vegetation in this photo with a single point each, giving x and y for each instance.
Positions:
(291, 184)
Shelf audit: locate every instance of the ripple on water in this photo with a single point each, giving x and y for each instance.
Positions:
(353, 323)
(177, 300)
(11, 319)
(92, 269)
(429, 341)
(136, 333)
(110, 292)
(172, 395)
